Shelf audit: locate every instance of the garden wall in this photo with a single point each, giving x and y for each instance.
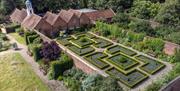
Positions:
(77, 62)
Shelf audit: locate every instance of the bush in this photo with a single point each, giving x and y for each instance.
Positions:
(122, 20)
(177, 56)
(38, 40)
(98, 83)
(72, 84)
(28, 33)
(50, 51)
(155, 44)
(19, 30)
(75, 74)
(58, 67)
(3, 37)
(83, 40)
(36, 52)
(31, 38)
(174, 37)
(141, 26)
(134, 37)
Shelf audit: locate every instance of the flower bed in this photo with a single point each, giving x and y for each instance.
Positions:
(80, 51)
(101, 43)
(118, 48)
(151, 66)
(130, 79)
(122, 61)
(96, 59)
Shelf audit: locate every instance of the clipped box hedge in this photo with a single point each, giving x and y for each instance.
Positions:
(80, 51)
(150, 66)
(82, 42)
(96, 59)
(64, 41)
(101, 43)
(118, 48)
(122, 62)
(130, 79)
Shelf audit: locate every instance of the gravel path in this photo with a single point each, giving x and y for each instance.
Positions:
(53, 84)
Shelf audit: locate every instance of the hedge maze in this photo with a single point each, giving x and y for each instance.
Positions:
(120, 62)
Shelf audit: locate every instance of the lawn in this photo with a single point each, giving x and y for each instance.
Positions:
(18, 38)
(17, 75)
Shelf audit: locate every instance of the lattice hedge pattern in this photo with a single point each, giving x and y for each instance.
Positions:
(130, 79)
(150, 66)
(96, 59)
(122, 61)
(118, 48)
(81, 51)
(118, 61)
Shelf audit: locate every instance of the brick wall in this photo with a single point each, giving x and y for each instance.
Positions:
(82, 66)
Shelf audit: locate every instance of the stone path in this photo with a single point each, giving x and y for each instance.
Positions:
(53, 84)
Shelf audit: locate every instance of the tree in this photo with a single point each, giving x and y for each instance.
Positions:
(6, 6)
(144, 9)
(122, 20)
(50, 51)
(177, 55)
(169, 13)
(141, 26)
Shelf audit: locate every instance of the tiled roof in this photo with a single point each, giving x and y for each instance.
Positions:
(18, 15)
(76, 12)
(32, 21)
(66, 16)
(50, 17)
(101, 14)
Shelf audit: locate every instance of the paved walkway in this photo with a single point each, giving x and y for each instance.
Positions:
(53, 84)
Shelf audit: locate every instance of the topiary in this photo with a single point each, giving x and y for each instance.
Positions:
(83, 40)
(122, 59)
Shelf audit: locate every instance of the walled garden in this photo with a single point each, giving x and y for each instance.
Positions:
(116, 60)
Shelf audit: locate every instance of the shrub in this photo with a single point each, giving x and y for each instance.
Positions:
(19, 30)
(83, 40)
(58, 67)
(155, 44)
(134, 37)
(36, 52)
(38, 40)
(75, 74)
(50, 51)
(31, 38)
(122, 59)
(72, 84)
(177, 56)
(3, 37)
(141, 26)
(174, 37)
(105, 32)
(122, 20)
(28, 33)
(98, 83)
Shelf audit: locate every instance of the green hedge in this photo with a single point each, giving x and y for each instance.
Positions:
(36, 52)
(28, 33)
(96, 59)
(150, 66)
(58, 67)
(81, 51)
(31, 38)
(131, 79)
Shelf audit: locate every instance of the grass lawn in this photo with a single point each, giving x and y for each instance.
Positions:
(17, 75)
(18, 38)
